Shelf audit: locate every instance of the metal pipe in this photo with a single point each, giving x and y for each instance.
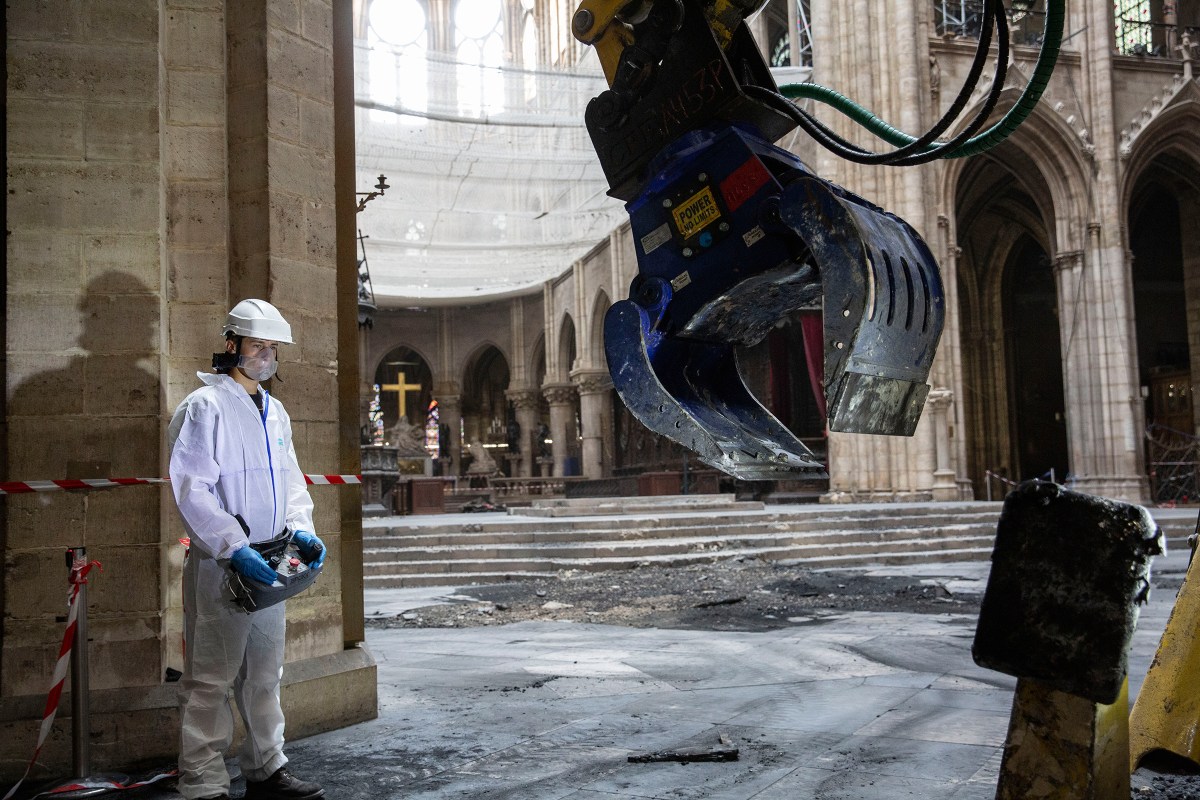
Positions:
(81, 761)
(793, 12)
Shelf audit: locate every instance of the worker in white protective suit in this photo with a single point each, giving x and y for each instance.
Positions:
(232, 461)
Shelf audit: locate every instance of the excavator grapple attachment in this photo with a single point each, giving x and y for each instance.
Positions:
(733, 236)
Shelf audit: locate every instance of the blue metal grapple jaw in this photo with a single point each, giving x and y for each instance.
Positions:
(733, 235)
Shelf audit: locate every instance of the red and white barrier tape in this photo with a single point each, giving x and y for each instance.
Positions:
(21, 487)
(332, 480)
(78, 577)
(107, 784)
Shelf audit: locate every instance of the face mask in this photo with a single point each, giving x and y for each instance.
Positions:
(260, 367)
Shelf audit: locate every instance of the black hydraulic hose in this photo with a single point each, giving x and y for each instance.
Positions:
(915, 151)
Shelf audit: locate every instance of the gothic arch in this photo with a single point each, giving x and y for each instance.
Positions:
(472, 357)
(1170, 141)
(1160, 195)
(595, 340)
(385, 354)
(405, 377)
(1013, 212)
(485, 379)
(1060, 164)
(568, 352)
(537, 362)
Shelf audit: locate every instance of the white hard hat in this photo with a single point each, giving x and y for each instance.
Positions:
(258, 319)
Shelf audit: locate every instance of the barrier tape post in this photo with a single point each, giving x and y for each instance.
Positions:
(81, 734)
(79, 568)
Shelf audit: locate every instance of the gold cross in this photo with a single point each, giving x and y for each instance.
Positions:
(401, 388)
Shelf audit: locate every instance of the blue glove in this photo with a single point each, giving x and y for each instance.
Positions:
(312, 549)
(250, 563)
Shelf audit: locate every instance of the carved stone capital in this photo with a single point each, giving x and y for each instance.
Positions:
(591, 381)
(559, 394)
(449, 404)
(1068, 261)
(939, 398)
(523, 398)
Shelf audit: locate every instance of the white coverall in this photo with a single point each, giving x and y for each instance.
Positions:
(229, 458)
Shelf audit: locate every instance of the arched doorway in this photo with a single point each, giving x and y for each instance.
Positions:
(1165, 274)
(1033, 354)
(1160, 307)
(564, 408)
(403, 389)
(1015, 417)
(485, 409)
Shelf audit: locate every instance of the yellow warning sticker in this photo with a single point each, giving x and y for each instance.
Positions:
(696, 213)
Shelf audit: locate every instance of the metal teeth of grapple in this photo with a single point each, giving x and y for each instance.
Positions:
(733, 236)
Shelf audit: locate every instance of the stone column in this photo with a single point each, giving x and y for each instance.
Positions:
(1068, 268)
(594, 395)
(938, 407)
(561, 397)
(525, 402)
(1111, 465)
(450, 409)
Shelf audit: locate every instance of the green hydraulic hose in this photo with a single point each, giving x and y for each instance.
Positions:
(1047, 57)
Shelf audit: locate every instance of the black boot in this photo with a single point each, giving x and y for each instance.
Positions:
(283, 786)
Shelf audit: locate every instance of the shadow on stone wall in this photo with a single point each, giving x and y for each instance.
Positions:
(95, 414)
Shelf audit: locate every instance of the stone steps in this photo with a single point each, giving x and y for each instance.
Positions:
(585, 545)
(594, 558)
(498, 574)
(495, 547)
(392, 547)
(617, 534)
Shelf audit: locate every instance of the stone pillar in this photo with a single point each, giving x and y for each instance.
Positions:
(1102, 432)
(561, 397)
(594, 396)
(937, 406)
(450, 408)
(1068, 269)
(189, 164)
(525, 403)
(1112, 464)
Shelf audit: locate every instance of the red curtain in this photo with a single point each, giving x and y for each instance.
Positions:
(781, 385)
(814, 354)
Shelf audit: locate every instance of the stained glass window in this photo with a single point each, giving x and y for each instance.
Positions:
(433, 430)
(1134, 30)
(398, 35)
(479, 44)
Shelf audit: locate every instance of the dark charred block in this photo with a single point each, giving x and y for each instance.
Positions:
(1069, 572)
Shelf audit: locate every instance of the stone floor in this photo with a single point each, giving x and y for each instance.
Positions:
(854, 706)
